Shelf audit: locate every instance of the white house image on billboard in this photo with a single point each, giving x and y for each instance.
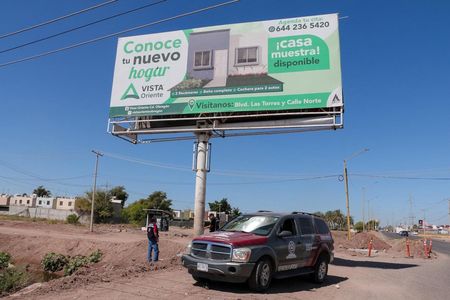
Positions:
(220, 58)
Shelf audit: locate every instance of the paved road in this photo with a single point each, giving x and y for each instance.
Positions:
(438, 245)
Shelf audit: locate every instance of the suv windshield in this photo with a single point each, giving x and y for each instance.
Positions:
(260, 225)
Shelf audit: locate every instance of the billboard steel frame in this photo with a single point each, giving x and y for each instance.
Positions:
(134, 129)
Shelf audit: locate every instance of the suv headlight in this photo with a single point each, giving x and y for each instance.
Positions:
(188, 249)
(241, 254)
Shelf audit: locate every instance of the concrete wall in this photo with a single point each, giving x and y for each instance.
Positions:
(45, 202)
(65, 203)
(41, 212)
(206, 41)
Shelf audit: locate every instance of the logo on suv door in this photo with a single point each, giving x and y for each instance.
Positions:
(291, 249)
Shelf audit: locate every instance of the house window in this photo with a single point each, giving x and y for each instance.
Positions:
(28, 201)
(247, 56)
(20, 201)
(40, 202)
(60, 203)
(48, 202)
(70, 203)
(202, 59)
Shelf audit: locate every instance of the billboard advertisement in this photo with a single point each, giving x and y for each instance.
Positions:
(276, 65)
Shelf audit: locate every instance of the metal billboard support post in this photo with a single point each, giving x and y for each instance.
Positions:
(201, 167)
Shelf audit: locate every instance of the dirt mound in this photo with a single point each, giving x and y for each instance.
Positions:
(359, 241)
(124, 250)
(416, 248)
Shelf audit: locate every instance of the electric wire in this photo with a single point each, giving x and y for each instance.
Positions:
(117, 33)
(58, 19)
(401, 177)
(82, 26)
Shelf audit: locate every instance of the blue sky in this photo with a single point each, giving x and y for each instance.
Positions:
(396, 82)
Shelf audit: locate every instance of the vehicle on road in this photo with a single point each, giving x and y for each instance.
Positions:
(404, 233)
(255, 248)
(442, 231)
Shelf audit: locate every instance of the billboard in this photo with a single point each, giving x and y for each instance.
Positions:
(277, 65)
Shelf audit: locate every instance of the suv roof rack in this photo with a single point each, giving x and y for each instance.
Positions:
(305, 213)
(264, 211)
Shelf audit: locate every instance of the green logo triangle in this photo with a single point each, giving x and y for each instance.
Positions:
(130, 92)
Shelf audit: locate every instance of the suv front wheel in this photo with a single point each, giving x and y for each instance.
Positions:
(320, 269)
(261, 276)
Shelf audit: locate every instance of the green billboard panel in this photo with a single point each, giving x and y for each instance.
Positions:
(275, 65)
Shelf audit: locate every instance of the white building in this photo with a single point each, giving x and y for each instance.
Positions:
(45, 202)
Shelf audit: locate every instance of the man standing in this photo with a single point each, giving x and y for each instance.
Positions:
(213, 223)
(153, 238)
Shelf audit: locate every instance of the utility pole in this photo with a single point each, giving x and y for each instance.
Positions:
(97, 154)
(347, 201)
(423, 222)
(412, 218)
(363, 209)
(201, 167)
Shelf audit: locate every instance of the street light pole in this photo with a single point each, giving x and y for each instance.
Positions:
(347, 201)
(91, 228)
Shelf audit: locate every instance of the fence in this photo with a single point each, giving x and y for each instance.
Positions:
(45, 213)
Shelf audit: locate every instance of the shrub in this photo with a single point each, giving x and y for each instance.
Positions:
(75, 263)
(73, 219)
(79, 261)
(12, 279)
(53, 262)
(95, 256)
(5, 258)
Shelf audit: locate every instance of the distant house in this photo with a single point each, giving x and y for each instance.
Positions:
(65, 203)
(176, 214)
(45, 202)
(187, 214)
(23, 200)
(4, 200)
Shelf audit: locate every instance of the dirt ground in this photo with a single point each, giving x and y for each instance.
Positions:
(124, 272)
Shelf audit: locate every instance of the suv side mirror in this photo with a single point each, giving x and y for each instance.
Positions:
(285, 233)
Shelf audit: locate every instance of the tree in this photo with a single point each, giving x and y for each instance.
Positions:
(336, 219)
(222, 206)
(40, 191)
(158, 200)
(134, 213)
(119, 193)
(359, 226)
(103, 209)
(235, 212)
(372, 225)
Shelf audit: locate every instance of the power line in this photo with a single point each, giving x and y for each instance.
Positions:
(57, 19)
(403, 177)
(117, 33)
(82, 26)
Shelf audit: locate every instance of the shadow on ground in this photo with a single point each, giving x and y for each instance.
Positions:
(370, 264)
(278, 286)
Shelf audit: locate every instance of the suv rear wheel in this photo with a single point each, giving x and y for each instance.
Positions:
(320, 269)
(261, 276)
